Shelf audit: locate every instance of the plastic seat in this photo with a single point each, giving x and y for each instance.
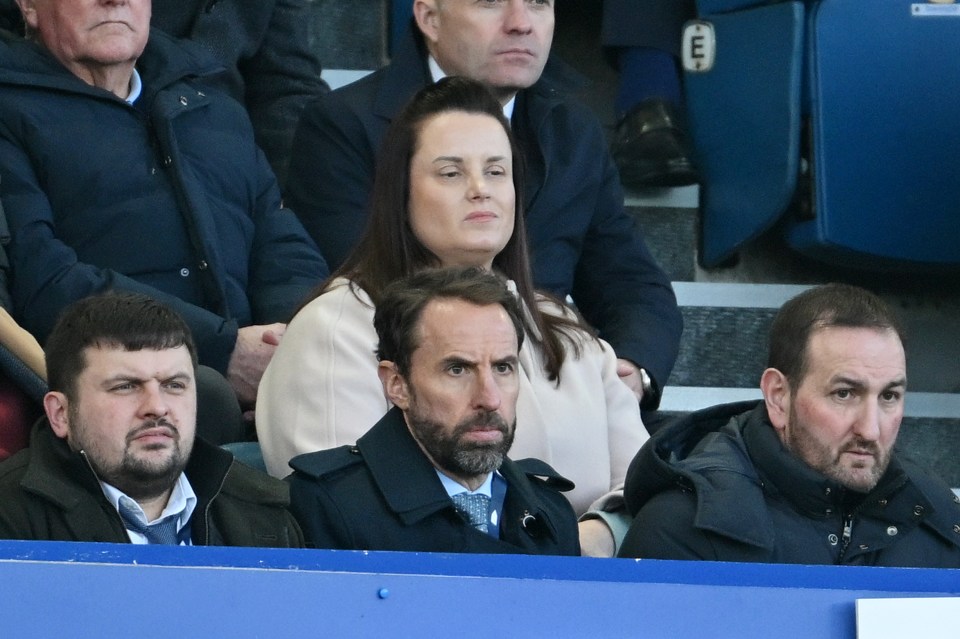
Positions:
(835, 119)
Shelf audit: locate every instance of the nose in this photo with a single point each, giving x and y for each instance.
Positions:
(517, 18)
(154, 401)
(487, 392)
(868, 422)
(477, 189)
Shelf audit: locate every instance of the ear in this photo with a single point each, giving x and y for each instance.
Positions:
(776, 395)
(29, 10)
(394, 385)
(56, 406)
(427, 17)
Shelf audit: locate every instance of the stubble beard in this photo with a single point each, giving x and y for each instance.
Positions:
(451, 453)
(858, 475)
(139, 476)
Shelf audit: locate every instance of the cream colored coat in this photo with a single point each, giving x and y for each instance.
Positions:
(321, 390)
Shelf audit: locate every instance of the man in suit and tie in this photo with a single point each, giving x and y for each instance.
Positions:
(432, 474)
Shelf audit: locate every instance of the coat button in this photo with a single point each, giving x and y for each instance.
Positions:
(827, 491)
(833, 539)
(956, 528)
(882, 502)
(892, 530)
(183, 100)
(829, 511)
(167, 161)
(918, 510)
(203, 265)
(184, 272)
(864, 547)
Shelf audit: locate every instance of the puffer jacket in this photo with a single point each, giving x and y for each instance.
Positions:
(719, 485)
(169, 197)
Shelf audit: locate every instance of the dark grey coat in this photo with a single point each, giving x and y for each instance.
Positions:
(719, 485)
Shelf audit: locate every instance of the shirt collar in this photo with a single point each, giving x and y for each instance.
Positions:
(136, 87)
(182, 501)
(454, 488)
(437, 74)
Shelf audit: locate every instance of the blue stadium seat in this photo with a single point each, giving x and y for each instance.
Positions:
(834, 120)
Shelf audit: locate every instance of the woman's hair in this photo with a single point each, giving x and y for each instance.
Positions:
(389, 249)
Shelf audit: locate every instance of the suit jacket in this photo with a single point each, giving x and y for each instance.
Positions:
(384, 494)
(582, 241)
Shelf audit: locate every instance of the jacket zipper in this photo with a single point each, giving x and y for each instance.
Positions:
(847, 535)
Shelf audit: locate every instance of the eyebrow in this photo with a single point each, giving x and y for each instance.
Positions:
(857, 383)
(133, 379)
(456, 158)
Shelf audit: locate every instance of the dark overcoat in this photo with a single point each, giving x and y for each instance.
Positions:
(384, 494)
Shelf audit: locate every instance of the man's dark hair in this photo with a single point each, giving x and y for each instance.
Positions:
(129, 321)
(397, 316)
(826, 306)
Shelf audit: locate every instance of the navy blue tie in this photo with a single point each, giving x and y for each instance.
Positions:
(159, 532)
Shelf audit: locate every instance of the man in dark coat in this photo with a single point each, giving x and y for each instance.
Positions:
(432, 474)
(583, 242)
(116, 459)
(809, 474)
(264, 47)
(121, 169)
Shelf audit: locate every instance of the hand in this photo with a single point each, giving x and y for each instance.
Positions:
(596, 540)
(630, 374)
(251, 354)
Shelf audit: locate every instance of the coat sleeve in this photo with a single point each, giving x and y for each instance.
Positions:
(284, 262)
(47, 275)
(621, 290)
(663, 529)
(625, 430)
(321, 389)
(331, 176)
(280, 79)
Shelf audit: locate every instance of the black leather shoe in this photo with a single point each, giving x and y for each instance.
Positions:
(651, 148)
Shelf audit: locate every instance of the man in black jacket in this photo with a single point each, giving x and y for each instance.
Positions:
(116, 459)
(809, 474)
(432, 474)
(582, 241)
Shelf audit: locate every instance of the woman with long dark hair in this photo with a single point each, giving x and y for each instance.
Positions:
(445, 195)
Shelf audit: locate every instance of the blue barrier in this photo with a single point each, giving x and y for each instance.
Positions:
(55, 589)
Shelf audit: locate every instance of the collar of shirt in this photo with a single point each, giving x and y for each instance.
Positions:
(437, 74)
(136, 87)
(182, 502)
(454, 488)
